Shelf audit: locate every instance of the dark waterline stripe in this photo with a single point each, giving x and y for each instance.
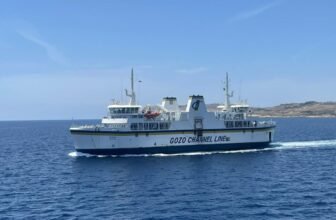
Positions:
(176, 149)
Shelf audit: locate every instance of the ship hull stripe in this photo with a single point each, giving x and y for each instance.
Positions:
(175, 149)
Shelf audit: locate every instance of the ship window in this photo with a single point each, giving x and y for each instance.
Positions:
(164, 125)
(229, 124)
(153, 126)
(114, 111)
(145, 126)
(117, 125)
(134, 126)
(141, 125)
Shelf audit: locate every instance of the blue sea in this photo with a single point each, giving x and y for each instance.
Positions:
(41, 177)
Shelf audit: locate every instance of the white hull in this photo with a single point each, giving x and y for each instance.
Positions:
(109, 142)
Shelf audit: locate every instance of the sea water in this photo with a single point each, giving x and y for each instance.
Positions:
(41, 177)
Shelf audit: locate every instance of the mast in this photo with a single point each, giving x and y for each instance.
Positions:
(228, 94)
(132, 94)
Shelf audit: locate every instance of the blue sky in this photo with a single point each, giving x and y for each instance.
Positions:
(67, 59)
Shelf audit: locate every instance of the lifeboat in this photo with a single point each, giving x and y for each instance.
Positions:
(150, 114)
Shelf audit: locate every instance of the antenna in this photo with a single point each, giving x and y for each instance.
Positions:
(228, 95)
(139, 82)
(132, 94)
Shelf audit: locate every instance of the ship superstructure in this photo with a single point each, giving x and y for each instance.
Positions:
(165, 128)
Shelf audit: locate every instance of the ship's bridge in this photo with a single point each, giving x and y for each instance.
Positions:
(124, 109)
(240, 108)
(121, 114)
(233, 112)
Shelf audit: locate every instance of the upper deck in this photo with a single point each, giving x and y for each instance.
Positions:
(169, 116)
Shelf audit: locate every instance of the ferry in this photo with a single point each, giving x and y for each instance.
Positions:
(166, 128)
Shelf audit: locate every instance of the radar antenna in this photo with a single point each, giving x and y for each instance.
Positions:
(228, 94)
(132, 93)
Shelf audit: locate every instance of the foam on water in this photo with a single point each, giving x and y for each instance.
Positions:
(275, 146)
(305, 144)
(78, 154)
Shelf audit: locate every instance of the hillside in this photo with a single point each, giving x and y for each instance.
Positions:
(307, 109)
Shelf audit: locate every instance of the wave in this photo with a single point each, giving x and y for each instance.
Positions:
(277, 146)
